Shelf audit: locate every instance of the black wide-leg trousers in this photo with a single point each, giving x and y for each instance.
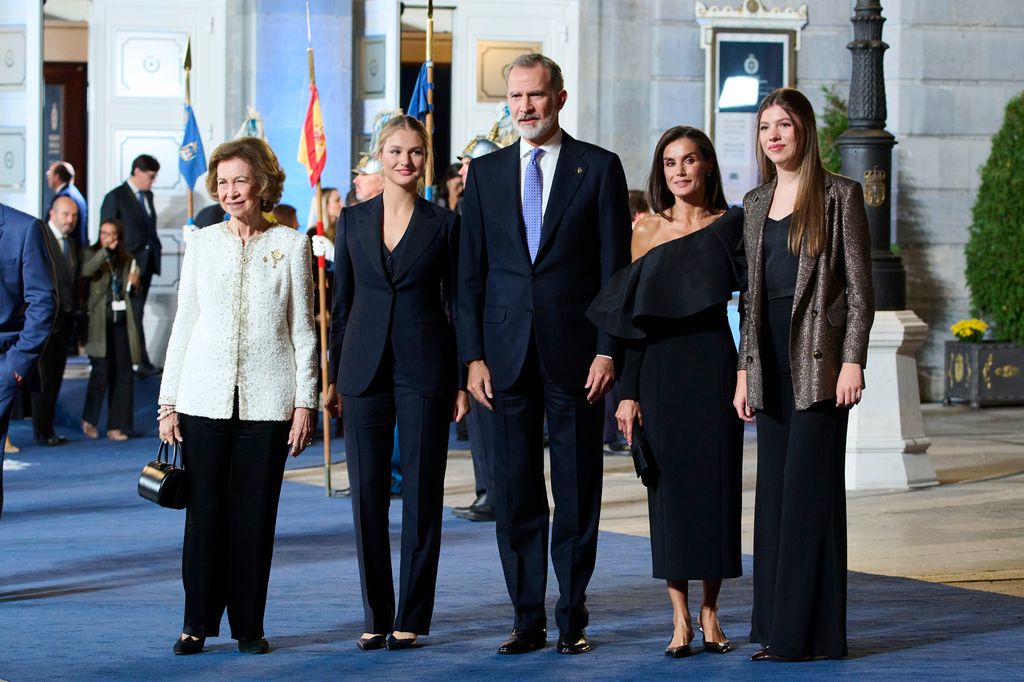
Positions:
(521, 501)
(111, 379)
(799, 512)
(235, 469)
(423, 425)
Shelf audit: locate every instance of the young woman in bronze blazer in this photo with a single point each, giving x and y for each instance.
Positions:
(803, 346)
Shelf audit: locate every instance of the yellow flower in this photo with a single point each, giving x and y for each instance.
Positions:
(970, 330)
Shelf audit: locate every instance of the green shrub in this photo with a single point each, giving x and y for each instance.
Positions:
(995, 249)
(834, 122)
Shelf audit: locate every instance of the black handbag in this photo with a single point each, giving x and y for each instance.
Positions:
(162, 481)
(643, 456)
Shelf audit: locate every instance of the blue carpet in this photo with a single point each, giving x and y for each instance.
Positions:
(90, 589)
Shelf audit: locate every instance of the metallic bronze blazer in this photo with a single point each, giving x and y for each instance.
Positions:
(833, 302)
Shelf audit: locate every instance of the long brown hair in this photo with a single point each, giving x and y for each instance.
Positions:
(121, 257)
(329, 222)
(659, 196)
(808, 224)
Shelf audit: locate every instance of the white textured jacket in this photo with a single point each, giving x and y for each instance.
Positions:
(245, 319)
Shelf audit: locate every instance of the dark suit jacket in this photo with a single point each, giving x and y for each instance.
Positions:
(411, 311)
(584, 241)
(834, 299)
(27, 299)
(81, 233)
(140, 238)
(65, 271)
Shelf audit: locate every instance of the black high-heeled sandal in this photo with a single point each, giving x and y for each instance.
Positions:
(716, 647)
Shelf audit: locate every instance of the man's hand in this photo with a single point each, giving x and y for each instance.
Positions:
(600, 378)
(332, 401)
(479, 383)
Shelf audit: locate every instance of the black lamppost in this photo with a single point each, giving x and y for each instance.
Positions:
(866, 151)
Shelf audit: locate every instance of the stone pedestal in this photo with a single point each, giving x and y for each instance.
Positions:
(886, 447)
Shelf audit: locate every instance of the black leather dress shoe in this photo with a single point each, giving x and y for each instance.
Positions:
(189, 646)
(524, 641)
(371, 643)
(254, 646)
(573, 642)
(51, 440)
(481, 513)
(399, 643)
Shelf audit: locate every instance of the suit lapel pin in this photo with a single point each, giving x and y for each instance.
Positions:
(579, 170)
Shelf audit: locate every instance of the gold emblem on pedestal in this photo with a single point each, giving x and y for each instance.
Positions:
(874, 187)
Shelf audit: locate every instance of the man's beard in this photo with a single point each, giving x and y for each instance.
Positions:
(540, 129)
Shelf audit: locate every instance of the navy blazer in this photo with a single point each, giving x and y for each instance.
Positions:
(140, 237)
(27, 299)
(584, 240)
(412, 312)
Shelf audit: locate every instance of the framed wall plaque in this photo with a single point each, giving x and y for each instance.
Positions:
(372, 67)
(492, 60)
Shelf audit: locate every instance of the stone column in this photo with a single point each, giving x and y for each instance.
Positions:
(886, 446)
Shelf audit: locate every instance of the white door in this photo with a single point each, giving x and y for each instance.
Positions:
(484, 33)
(378, 63)
(21, 105)
(136, 100)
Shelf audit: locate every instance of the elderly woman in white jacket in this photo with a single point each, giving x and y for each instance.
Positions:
(238, 391)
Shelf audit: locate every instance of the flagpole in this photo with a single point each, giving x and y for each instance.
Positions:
(322, 288)
(189, 206)
(429, 176)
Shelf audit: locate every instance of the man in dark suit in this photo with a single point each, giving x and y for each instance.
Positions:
(63, 253)
(132, 204)
(61, 179)
(27, 306)
(545, 225)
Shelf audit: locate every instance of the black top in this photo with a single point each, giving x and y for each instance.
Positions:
(390, 257)
(780, 264)
(674, 280)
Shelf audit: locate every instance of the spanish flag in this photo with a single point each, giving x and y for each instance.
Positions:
(312, 143)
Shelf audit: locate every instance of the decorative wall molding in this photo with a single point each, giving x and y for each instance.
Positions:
(12, 57)
(162, 144)
(750, 14)
(148, 64)
(12, 158)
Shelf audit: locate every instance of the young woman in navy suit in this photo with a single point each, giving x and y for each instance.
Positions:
(393, 359)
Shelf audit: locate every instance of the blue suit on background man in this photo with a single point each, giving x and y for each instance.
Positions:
(27, 307)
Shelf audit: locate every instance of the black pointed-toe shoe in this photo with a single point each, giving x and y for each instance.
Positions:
(372, 642)
(254, 646)
(524, 641)
(573, 642)
(188, 646)
(399, 643)
(681, 651)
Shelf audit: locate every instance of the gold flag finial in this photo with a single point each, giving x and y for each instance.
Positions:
(188, 53)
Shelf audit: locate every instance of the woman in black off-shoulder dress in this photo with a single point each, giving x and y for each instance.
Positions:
(680, 374)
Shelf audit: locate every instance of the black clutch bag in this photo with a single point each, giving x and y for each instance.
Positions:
(162, 481)
(643, 456)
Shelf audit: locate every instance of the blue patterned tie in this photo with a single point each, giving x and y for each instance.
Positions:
(533, 198)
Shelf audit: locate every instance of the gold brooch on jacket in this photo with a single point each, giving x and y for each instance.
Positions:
(276, 255)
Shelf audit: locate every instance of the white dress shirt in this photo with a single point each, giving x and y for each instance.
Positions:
(547, 162)
(245, 319)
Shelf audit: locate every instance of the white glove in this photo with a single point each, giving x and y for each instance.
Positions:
(186, 232)
(322, 246)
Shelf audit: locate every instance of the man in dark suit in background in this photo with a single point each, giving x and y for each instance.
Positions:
(61, 179)
(63, 253)
(27, 306)
(545, 225)
(132, 204)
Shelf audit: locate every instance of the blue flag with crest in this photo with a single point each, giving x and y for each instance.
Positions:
(418, 105)
(191, 158)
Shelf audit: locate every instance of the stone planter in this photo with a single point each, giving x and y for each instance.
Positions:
(984, 374)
